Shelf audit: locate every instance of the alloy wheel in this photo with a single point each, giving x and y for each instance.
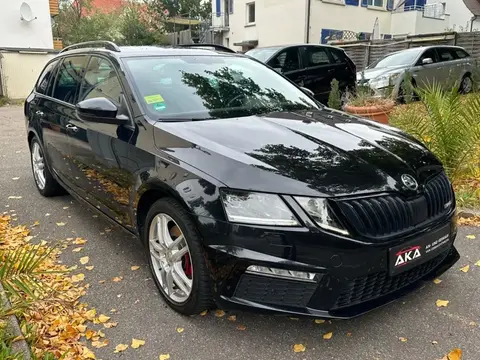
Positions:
(38, 163)
(171, 259)
(466, 85)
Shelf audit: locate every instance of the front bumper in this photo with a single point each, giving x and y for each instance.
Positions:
(353, 276)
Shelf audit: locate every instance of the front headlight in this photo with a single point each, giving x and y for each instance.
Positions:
(319, 210)
(384, 81)
(257, 208)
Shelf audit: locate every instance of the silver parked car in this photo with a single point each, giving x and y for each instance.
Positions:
(446, 65)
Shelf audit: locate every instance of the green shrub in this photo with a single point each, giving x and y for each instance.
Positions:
(335, 97)
(447, 123)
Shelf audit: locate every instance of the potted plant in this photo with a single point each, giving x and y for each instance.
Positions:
(364, 102)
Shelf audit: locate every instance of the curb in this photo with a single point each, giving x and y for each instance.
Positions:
(13, 327)
(468, 213)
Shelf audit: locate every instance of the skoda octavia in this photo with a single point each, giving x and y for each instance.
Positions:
(244, 190)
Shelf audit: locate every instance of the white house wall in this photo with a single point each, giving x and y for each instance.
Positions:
(345, 17)
(17, 33)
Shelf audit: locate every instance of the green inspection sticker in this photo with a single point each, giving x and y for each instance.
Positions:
(152, 99)
(159, 106)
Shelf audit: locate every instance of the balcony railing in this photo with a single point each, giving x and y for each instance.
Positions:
(220, 20)
(434, 11)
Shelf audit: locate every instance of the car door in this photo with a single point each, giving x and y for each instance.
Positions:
(343, 69)
(100, 149)
(425, 74)
(288, 63)
(452, 66)
(56, 109)
(319, 70)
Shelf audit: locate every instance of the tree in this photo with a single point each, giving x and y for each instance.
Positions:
(137, 27)
(195, 9)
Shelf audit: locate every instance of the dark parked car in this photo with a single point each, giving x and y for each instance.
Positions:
(310, 66)
(244, 190)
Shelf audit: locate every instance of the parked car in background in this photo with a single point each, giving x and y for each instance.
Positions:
(245, 191)
(310, 66)
(446, 65)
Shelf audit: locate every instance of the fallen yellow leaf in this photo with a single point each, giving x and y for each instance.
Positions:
(328, 336)
(14, 197)
(100, 343)
(78, 278)
(89, 334)
(319, 321)
(455, 354)
(434, 342)
(465, 268)
(204, 312)
(442, 303)
(472, 323)
(164, 357)
(299, 348)
(84, 260)
(477, 263)
(79, 241)
(180, 330)
(120, 348)
(117, 278)
(88, 354)
(437, 281)
(89, 267)
(403, 339)
(219, 313)
(232, 318)
(100, 333)
(471, 237)
(137, 343)
(103, 318)
(77, 249)
(241, 327)
(349, 334)
(133, 268)
(60, 224)
(90, 314)
(293, 318)
(110, 325)
(36, 223)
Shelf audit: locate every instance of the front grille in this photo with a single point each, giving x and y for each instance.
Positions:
(373, 286)
(384, 216)
(270, 290)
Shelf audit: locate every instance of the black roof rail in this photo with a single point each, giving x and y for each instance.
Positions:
(109, 45)
(206, 46)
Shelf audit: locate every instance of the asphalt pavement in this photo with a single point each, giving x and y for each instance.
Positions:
(142, 314)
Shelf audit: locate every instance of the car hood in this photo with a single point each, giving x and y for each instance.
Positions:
(369, 74)
(318, 153)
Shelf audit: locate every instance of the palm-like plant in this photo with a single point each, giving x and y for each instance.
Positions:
(20, 272)
(447, 123)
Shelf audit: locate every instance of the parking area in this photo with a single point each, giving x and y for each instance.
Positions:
(430, 332)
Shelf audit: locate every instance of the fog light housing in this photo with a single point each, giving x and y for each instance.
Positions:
(285, 274)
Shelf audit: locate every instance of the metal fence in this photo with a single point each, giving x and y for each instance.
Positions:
(364, 52)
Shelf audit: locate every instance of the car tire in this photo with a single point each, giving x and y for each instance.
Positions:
(200, 297)
(466, 85)
(44, 180)
(402, 97)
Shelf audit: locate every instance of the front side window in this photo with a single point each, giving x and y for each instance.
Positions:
(251, 13)
(68, 78)
(316, 56)
(285, 61)
(262, 54)
(46, 78)
(211, 87)
(101, 80)
(401, 58)
(428, 54)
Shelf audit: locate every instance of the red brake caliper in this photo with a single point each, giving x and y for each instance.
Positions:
(187, 267)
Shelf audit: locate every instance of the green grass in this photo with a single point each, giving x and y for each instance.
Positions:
(6, 351)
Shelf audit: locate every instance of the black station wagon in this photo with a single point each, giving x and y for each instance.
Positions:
(244, 190)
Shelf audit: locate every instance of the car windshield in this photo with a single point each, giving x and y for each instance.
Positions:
(208, 87)
(397, 59)
(262, 54)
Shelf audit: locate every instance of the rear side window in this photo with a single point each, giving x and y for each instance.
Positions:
(446, 54)
(461, 53)
(338, 56)
(316, 56)
(69, 77)
(101, 80)
(44, 79)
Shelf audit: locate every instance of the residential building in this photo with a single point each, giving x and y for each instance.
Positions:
(26, 44)
(244, 24)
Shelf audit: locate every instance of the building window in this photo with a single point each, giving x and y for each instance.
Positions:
(251, 13)
(377, 3)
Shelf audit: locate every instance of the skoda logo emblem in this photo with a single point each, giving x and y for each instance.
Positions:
(409, 182)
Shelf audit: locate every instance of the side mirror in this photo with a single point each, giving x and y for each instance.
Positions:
(99, 110)
(427, 61)
(307, 91)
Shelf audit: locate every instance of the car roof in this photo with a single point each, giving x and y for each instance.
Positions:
(278, 47)
(422, 48)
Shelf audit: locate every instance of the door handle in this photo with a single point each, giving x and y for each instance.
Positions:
(39, 113)
(72, 128)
